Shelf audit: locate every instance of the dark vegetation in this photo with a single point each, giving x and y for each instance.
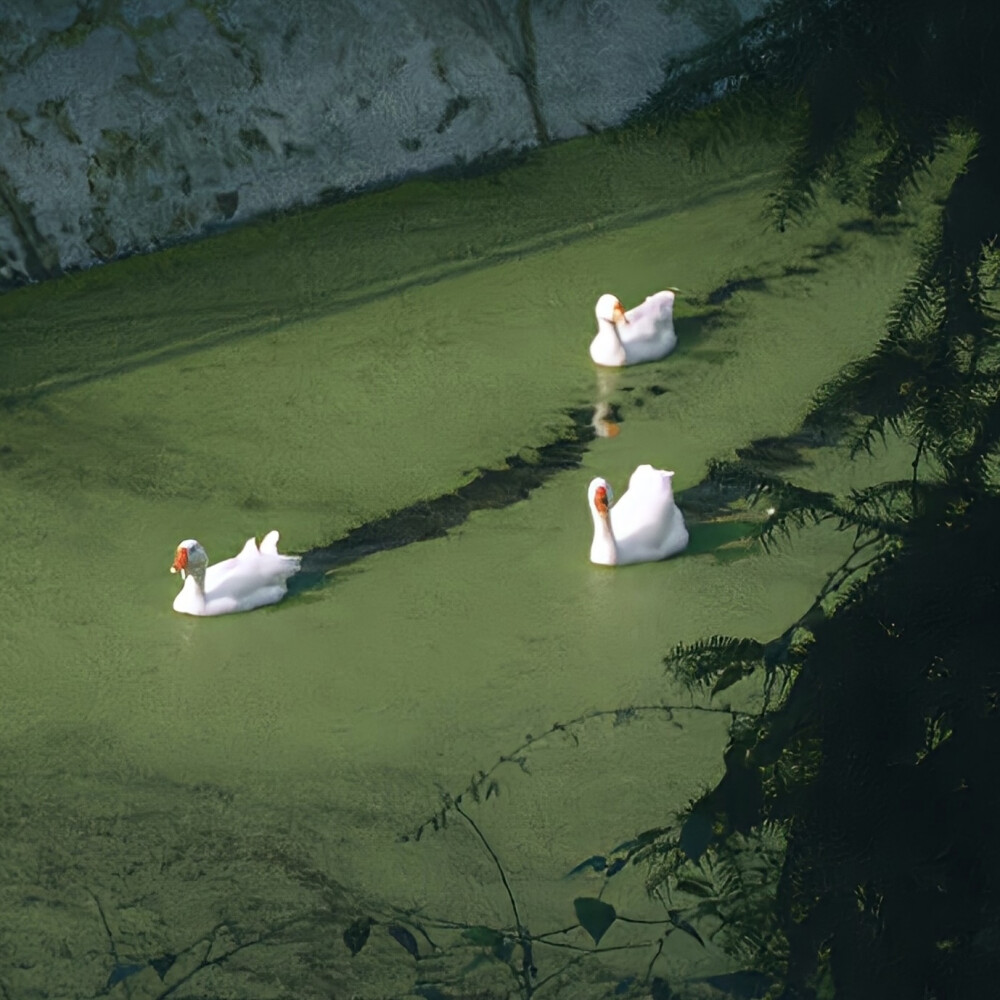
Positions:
(871, 763)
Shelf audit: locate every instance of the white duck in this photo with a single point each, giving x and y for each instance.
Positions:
(255, 577)
(645, 333)
(644, 526)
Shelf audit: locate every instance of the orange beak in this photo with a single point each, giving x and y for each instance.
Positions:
(601, 501)
(618, 315)
(180, 560)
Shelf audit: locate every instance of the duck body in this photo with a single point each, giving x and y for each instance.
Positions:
(251, 579)
(645, 333)
(645, 525)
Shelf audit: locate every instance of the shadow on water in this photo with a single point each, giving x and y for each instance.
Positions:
(727, 540)
(876, 227)
(491, 489)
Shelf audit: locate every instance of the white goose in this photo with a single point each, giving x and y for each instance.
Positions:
(645, 333)
(644, 526)
(255, 577)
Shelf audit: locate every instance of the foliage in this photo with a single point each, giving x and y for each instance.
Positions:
(729, 891)
(873, 759)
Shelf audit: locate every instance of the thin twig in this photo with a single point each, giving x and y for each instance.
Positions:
(496, 861)
(563, 930)
(552, 975)
(595, 951)
(516, 756)
(916, 465)
(107, 929)
(524, 939)
(637, 920)
(652, 961)
(443, 922)
(206, 962)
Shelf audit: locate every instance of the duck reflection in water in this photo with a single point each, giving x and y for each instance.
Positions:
(605, 421)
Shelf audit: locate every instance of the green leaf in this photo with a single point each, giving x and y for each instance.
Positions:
(162, 964)
(695, 887)
(501, 947)
(683, 925)
(595, 916)
(403, 937)
(485, 936)
(356, 935)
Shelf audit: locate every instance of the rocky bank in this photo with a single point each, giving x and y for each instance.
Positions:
(128, 124)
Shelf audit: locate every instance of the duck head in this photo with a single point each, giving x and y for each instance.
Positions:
(190, 557)
(600, 496)
(603, 549)
(609, 308)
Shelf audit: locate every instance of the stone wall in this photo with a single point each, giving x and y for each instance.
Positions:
(127, 124)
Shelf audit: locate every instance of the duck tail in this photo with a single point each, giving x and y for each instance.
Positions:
(269, 543)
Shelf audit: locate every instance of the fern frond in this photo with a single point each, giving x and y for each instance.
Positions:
(883, 509)
(816, 157)
(909, 154)
(719, 661)
(872, 395)
(921, 304)
(791, 506)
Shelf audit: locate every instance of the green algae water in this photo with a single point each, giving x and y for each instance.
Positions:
(262, 805)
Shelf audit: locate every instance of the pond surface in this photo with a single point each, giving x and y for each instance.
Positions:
(203, 807)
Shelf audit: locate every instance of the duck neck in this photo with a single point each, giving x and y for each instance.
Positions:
(603, 549)
(607, 330)
(194, 586)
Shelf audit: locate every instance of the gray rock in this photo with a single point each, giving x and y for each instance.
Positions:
(130, 123)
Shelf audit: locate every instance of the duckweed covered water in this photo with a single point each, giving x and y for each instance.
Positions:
(205, 807)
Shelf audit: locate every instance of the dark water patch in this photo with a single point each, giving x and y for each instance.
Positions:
(821, 250)
(491, 489)
(122, 972)
(714, 357)
(725, 292)
(730, 481)
(163, 964)
(876, 226)
(689, 328)
(634, 397)
(758, 282)
(774, 452)
(726, 540)
(793, 270)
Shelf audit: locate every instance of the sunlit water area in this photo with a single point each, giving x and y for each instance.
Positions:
(231, 807)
